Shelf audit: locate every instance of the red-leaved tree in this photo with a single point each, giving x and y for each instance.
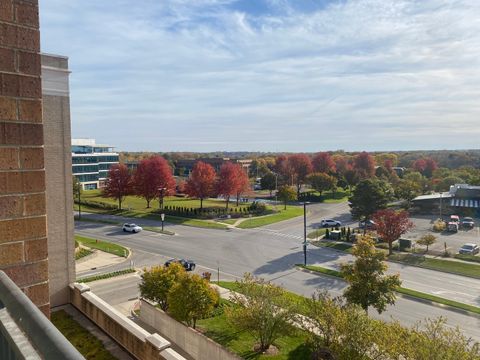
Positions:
(118, 183)
(391, 224)
(425, 166)
(226, 185)
(201, 183)
(301, 167)
(153, 178)
(242, 182)
(364, 165)
(322, 162)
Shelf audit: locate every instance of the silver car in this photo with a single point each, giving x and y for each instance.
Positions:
(469, 249)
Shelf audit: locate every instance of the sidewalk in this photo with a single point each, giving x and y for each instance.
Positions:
(97, 260)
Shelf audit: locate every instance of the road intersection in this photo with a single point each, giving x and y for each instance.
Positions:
(271, 252)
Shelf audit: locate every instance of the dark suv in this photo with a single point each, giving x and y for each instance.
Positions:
(188, 265)
(468, 223)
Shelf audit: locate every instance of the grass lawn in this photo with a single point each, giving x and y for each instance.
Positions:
(228, 221)
(454, 267)
(102, 245)
(291, 212)
(87, 344)
(148, 215)
(333, 245)
(316, 234)
(137, 203)
(218, 329)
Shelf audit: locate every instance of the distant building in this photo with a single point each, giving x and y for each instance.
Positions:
(91, 162)
(461, 199)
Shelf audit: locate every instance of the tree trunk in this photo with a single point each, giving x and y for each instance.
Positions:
(228, 199)
(390, 248)
(119, 203)
(201, 203)
(238, 198)
(285, 208)
(148, 204)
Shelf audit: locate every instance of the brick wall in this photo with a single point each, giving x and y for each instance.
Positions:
(23, 231)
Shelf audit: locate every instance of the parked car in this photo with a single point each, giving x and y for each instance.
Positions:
(188, 265)
(452, 226)
(370, 224)
(468, 223)
(133, 228)
(455, 218)
(330, 223)
(469, 249)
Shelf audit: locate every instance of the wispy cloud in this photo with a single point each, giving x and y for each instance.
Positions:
(294, 75)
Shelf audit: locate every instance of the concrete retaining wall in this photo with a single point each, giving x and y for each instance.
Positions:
(189, 340)
(137, 341)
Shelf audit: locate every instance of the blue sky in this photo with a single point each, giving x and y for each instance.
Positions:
(270, 75)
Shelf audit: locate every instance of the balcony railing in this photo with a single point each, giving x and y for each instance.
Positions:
(25, 332)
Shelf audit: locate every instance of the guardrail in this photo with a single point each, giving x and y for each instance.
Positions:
(25, 332)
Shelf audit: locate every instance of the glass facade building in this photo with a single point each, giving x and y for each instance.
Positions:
(91, 162)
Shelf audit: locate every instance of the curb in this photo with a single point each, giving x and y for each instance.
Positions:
(436, 304)
(411, 297)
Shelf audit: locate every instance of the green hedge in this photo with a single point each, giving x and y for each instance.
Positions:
(105, 276)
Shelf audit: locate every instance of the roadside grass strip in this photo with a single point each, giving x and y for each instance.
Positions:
(453, 267)
(86, 343)
(448, 266)
(103, 246)
(150, 216)
(282, 215)
(105, 276)
(402, 290)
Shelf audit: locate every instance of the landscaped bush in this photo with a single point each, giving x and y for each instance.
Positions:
(97, 205)
(439, 225)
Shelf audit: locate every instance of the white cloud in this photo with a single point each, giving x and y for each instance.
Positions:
(209, 75)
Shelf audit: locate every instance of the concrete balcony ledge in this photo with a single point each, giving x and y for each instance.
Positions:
(25, 332)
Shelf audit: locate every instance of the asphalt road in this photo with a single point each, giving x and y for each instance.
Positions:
(271, 253)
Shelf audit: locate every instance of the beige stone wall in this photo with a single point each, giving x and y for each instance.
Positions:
(23, 230)
(195, 344)
(137, 341)
(58, 177)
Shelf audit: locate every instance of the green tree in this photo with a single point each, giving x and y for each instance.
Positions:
(427, 240)
(369, 196)
(286, 194)
(157, 282)
(368, 284)
(262, 309)
(326, 322)
(191, 298)
(433, 339)
(321, 182)
(269, 182)
(445, 183)
(407, 190)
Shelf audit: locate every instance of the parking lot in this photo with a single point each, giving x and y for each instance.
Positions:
(423, 225)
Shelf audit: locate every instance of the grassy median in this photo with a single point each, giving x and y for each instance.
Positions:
(102, 246)
(282, 215)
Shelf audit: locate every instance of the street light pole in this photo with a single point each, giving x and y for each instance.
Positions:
(305, 233)
(79, 202)
(162, 216)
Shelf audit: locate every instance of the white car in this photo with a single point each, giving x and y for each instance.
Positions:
(133, 228)
(330, 223)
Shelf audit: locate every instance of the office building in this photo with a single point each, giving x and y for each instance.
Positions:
(91, 162)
